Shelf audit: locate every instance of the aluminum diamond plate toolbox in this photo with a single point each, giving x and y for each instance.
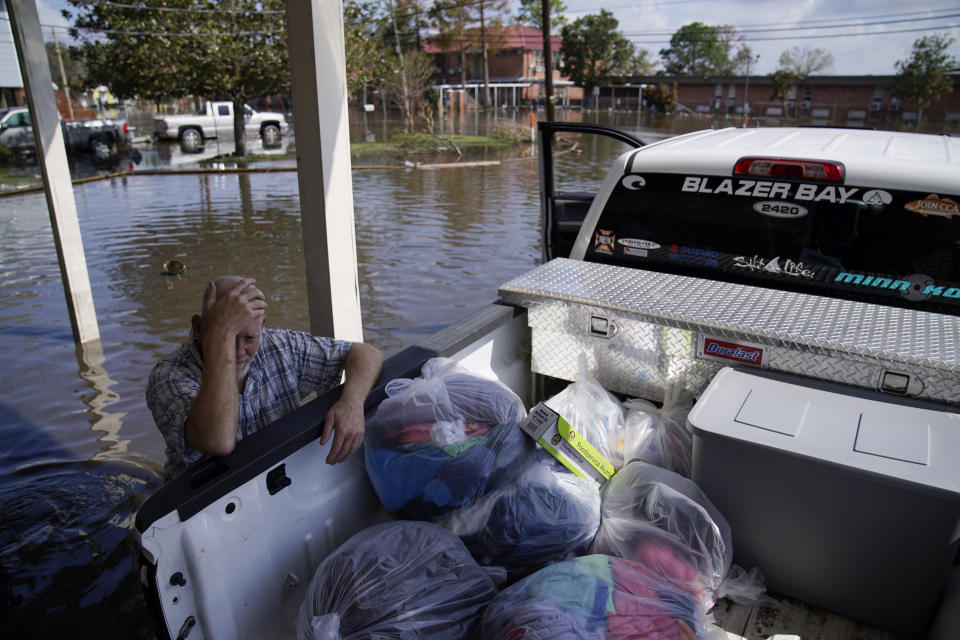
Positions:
(642, 330)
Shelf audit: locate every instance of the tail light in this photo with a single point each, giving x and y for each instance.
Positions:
(818, 170)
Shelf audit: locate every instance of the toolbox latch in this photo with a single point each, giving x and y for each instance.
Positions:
(901, 384)
(602, 327)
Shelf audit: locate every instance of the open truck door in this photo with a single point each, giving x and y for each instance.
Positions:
(564, 203)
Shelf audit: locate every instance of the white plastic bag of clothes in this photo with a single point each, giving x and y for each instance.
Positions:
(659, 435)
(596, 597)
(547, 514)
(663, 521)
(398, 580)
(442, 440)
(594, 413)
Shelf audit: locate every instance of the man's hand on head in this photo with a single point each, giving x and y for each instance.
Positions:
(345, 420)
(233, 310)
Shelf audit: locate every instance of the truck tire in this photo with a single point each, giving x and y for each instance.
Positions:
(270, 135)
(100, 149)
(191, 140)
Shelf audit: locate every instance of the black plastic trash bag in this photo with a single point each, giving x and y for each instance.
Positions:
(596, 597)
(547, 514)
(442, 440)
(400, 580)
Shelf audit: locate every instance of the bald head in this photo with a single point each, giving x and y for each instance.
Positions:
(223, 284)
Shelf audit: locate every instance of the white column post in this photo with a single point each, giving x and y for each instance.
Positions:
(319, 78)
(52, 161)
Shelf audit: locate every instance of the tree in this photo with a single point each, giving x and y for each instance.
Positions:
(696, 49)
(367, 64)
(923, 78)
(804, 62)
(492, 14)
(453, 20)
(593, 50)
(531, 14)
(739, 56)
(156, 50)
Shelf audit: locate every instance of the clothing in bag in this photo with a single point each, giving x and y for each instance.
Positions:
(399, 580)
(596, 597)
(442, 440)
(663, 520)
(659, 435)
(594, 413)
(546, 514)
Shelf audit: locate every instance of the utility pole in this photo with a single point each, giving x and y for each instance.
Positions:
(63, 75)
(746, 88)
(547, 58)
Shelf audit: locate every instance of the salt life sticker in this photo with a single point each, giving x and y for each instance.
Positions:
(934, 205)
(603, 241)
(726, 351)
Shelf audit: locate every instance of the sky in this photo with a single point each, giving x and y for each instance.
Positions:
(865, 37)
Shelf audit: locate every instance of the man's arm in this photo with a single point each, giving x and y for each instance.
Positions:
(345, 418)
(212, 425)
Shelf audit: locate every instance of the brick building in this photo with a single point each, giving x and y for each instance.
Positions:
(516, 68)
(856, 100)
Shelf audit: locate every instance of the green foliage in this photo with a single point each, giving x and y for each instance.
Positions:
(661, 97)
(923, 78)
(593, 50)
(369, 60)
(158, 49)
(783, 81)
(531, 14)
(697, 49)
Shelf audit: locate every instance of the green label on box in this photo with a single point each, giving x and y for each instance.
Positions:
(584, 448)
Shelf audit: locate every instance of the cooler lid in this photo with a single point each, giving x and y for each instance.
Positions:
(905, 442)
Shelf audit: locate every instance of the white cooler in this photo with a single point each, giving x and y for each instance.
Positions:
(843, 498)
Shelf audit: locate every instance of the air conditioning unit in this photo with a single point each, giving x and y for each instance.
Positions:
(874, 106)
(539, 68)
(805, 104)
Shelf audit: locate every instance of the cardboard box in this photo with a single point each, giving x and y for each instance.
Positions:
(556, 435)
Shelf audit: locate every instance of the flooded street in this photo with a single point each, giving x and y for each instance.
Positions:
(80, 449)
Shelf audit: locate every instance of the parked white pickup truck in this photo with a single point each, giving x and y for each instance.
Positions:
(217, 120)
(802, 285)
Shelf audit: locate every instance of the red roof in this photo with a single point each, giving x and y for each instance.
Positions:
(514, 37)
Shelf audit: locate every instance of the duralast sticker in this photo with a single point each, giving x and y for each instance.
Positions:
(552, 432)
(603, 241)
(769, 189)
(934, 205)
(729, 351)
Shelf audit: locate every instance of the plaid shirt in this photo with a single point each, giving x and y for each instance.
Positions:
(288, 366)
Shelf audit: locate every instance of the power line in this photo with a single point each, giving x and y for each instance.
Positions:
(750, 29)
(826, 35)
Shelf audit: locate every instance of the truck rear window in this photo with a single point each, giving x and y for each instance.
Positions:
(885, 246)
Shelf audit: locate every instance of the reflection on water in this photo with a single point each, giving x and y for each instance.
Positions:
(79, 447)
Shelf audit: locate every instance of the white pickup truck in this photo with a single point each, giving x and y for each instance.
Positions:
(802, 285)
(215, 121)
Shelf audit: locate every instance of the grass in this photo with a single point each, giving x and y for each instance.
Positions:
(13, 179)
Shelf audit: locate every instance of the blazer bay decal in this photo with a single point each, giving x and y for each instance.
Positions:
(768, 189)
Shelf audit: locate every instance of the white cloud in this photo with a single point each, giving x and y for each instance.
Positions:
(857, 50)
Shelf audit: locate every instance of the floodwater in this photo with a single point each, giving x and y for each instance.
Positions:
(80, 452)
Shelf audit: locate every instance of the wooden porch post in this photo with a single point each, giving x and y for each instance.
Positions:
(52, 161)
(318, 74)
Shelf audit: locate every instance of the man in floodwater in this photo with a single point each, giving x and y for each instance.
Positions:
(234, 376)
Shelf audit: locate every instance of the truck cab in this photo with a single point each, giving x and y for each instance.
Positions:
(811, 270)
